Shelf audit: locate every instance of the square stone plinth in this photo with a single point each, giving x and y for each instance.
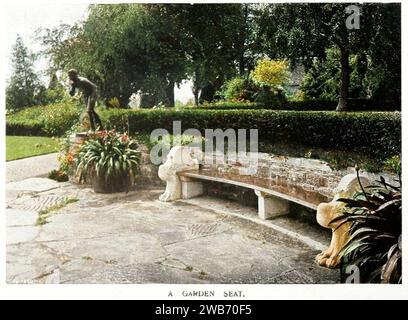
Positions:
(191, 189)
(270, 206)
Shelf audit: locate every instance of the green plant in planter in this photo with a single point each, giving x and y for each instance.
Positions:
(111, 159)
(374, 248)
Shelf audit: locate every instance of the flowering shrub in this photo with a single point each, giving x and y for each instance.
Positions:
(272, 73)
(67, 162)
(108, 153)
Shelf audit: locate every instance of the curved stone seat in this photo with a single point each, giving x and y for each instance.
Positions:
(273, 196)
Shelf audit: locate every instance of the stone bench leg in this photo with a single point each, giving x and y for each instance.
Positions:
(191, 188)
(270, 206)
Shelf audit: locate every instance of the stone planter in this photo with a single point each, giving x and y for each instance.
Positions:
(76, 140)
(119, 183)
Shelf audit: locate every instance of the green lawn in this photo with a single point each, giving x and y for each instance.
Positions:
(18, 147)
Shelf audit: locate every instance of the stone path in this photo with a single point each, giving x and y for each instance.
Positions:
(134, 238)
(31, 167)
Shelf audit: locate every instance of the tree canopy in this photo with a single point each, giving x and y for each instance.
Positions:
(153, 47)
(23, 87)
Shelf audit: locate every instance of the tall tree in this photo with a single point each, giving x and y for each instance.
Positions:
(215, 44)
(124, 48)
(24, 85)
(303, 32)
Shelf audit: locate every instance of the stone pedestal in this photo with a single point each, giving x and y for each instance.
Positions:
(270, 206)
(77, 140)
(190, 188)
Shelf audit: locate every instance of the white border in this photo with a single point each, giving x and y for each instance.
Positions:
(160, 291)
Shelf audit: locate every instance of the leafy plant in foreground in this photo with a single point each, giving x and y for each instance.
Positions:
(375, 234)
(108, 154)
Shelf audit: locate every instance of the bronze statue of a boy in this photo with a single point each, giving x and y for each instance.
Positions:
(88, 90)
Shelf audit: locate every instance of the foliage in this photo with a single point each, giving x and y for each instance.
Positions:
(322, 78)
(66, 161)
(18, 147)
(44, 214)
(236, 89)
(152, 47)
(113, 103)
(247, 90)
(393, 164)
(230, 105)
(107, 154)
(366, 79)
(376, 133)
(58, 175)
(217, 41)
(167, 141)
(374, 247)
(32, 121)
(301, 105)
(306, 30)
(298, 96)
(272, 73)
(23, 88)
(268, 96)
(51, 120)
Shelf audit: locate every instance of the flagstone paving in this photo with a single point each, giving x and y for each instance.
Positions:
(17, 170)
(134, 238)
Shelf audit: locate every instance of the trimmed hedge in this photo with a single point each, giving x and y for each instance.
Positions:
(309, 105)
(50, 120)
(374, 133)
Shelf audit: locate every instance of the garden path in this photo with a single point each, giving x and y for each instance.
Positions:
(134, 238)
(30, 167)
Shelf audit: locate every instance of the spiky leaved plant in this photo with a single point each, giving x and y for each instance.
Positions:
(107, 154)
(374, 247)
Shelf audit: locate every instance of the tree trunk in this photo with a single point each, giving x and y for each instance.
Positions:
(170, 94)
(207, 93)
(344, 80)
(196, 92)
(241, 58)
(196, 89)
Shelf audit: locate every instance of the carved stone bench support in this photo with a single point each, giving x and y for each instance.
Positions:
(191, 188)
(270, 206)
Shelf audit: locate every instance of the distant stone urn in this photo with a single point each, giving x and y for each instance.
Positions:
(326, 212)
(180, 158)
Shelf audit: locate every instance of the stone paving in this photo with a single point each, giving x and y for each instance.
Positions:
(134, 238)
(31, 167)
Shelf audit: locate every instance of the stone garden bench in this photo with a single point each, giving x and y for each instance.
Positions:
(273, 197)
(185, 179)
(276, 181)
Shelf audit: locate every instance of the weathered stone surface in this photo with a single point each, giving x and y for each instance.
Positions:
(30, 167)
(21, 234)
(180, 158)
(33, 184)
(38, 203)
(271, 206)
(309, 174)
(190, 189)
(327, 212)
(18, 218)
(134, 238)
